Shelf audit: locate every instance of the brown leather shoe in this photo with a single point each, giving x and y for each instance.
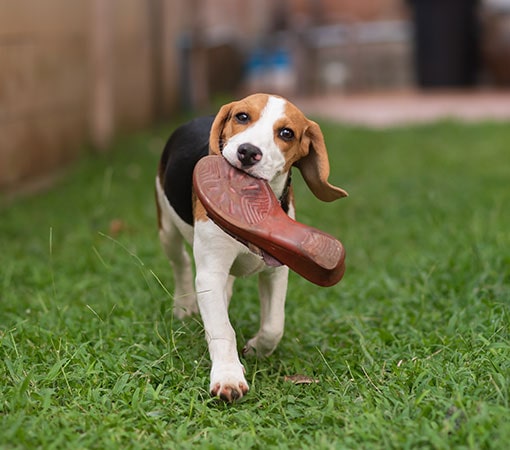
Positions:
(247, 208)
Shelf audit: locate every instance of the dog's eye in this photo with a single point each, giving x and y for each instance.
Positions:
(286, 134)
(242, 118)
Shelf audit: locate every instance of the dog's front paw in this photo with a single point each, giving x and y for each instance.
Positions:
(228, 382)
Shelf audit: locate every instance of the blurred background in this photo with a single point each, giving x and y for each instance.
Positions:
(82, 71)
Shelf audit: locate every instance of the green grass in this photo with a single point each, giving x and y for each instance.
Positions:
(411, 349)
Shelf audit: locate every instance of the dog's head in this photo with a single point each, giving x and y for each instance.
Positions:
(265, 135)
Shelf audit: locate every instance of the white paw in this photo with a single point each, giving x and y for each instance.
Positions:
(228, 382)
(261, 346)
(185, 306)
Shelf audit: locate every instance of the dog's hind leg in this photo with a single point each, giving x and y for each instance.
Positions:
(185, 302)
(173, 243)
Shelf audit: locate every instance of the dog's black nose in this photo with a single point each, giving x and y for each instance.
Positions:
(248, 154)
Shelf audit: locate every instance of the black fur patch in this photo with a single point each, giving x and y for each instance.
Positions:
(184, 148)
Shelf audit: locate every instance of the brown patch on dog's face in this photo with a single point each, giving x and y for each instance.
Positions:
(243, 114)
(228, 121)
(289, 132)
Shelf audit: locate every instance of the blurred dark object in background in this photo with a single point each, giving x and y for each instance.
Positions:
(225, 67)
(207, 68)
(495, 45)
(446, 42)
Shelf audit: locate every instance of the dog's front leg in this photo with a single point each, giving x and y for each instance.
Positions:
(272, 291)
(214, 255)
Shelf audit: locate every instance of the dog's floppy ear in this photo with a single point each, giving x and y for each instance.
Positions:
(216, 134)
(315, 165)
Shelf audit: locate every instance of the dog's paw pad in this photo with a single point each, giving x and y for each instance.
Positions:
(229, 385)
(229, 393)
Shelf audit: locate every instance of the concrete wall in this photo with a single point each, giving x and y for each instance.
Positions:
(56, 91)
(43, 73)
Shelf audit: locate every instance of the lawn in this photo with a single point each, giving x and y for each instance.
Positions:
(410, 350)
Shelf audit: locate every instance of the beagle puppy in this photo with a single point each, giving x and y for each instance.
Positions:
(265, 136)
